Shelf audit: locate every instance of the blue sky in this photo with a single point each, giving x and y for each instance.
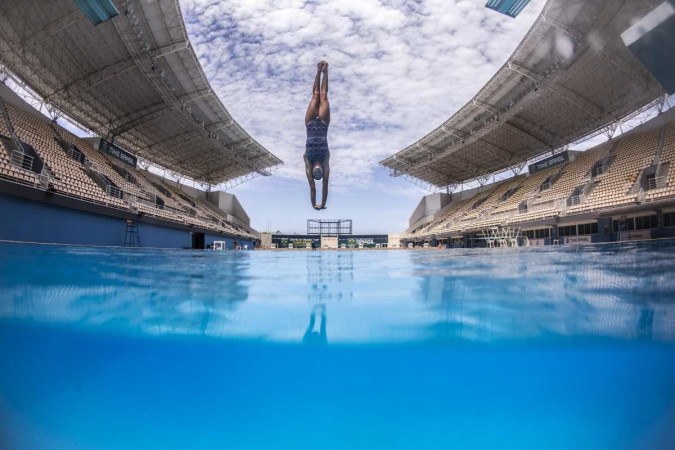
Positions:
(398, 69)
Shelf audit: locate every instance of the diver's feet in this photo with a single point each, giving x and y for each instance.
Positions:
(324, 69)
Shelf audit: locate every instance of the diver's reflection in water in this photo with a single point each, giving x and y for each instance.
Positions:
(330, 280)
(645, 325)
(312, 337)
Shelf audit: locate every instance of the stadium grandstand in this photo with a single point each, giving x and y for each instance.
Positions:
(572, 78)
(133, 81)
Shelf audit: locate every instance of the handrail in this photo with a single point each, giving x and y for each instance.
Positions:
(657, 182)
(21, 160)
(74, 153)
(43, 181)
(577, 199)
(635, 188)
(113, 191)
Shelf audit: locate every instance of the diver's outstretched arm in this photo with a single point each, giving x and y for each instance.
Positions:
(310, 180)
(324, 188)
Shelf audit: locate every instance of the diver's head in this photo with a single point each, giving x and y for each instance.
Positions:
(317, 171)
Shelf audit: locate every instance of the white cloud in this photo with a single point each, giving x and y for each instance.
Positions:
(397, 69)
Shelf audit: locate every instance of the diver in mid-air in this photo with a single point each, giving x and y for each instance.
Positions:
(317, 118)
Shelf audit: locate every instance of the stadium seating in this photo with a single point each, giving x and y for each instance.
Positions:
(68, 177)
(72, 167)
(605, 177)
(572, 175)
(630, 157)
(666, 157)
(527, 189)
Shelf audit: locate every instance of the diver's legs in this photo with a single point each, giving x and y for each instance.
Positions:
(313, 108)
(324, 106)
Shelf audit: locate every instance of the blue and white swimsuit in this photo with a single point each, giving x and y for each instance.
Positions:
(317, 141)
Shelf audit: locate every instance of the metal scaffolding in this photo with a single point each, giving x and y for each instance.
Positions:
(329, 227)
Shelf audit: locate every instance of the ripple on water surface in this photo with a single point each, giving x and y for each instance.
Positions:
(507, 348)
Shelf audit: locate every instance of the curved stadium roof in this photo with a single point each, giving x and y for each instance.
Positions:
(135, 77)
(543, 97)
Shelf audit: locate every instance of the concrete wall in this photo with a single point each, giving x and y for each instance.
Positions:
(230, 205)
(265, 240)
(329, 242)
(35, 221)
(40, 222)
(427, 207)
(394, 241)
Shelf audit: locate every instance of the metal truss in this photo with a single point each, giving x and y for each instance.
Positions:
(416, 181)
(537, 105)
(31, 97)
(630, 121)
(134, 79)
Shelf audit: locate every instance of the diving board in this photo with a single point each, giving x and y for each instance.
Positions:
(509, 7)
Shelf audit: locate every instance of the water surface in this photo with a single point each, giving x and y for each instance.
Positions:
(505, 348)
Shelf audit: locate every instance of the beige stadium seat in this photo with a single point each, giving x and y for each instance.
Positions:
(71, 178)
(628, 157)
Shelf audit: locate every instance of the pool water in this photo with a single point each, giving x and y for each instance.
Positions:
(507, 348)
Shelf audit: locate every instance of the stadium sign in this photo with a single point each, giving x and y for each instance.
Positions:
(112, 150)
(554, 160)
(577, 240)
(640, 235)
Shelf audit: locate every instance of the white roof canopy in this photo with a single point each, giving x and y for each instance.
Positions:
(134, 77)
(569, 77)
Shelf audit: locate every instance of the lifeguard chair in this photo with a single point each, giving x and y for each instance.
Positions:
(131, 237)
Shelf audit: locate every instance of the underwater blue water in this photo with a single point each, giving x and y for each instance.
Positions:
(540, 348)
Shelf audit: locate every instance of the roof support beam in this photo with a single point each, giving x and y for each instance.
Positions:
(482, 143)
(126, 123)
(168, 143)
(52, 29)
(581, 102)
(465, 166)
(628, 67)
(169, 49)
(471, 137)
(528, 134)
(447, 178)
(192, 96)
(525, 71)
(488, 147)
(136, 118)
(565, 28)
(219, 125)
(95, 78)
(551, 140)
